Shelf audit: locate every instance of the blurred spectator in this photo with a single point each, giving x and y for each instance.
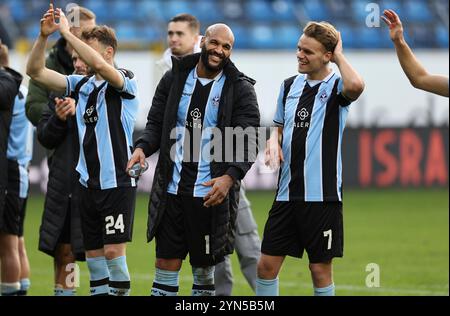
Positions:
(6, 35)
(250, 16)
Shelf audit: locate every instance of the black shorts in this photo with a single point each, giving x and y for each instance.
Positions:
(295, 226)
(186, 227)
(13, 215)
(106, 216)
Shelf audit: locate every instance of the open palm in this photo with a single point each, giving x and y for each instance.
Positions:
(395, 25)
(48, 24)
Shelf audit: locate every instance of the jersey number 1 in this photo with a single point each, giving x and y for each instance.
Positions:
(207, 244)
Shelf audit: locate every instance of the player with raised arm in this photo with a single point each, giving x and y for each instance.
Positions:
(419, 77)
(105, 114)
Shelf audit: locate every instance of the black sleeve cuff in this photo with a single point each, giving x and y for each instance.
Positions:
(56, 121)
(234, 173)
(344, 100)
(145, 147)
(278, 123)
(56, 124)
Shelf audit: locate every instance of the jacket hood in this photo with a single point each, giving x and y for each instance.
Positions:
(16, 76)
(189, 62)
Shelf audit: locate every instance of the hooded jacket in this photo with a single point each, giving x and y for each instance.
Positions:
(10, 81)
(60, 139)
(62, 186)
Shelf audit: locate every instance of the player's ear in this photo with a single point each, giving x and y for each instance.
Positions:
(109, 52)
(327, 57)
(202, 41)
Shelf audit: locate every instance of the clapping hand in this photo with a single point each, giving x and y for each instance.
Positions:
(64, 108)
(48, 23)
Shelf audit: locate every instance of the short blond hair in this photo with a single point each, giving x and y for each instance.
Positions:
(323, 32)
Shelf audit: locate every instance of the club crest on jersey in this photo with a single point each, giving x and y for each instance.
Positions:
(196, 114)
(303, 114)
(216, 101)
(324, 97)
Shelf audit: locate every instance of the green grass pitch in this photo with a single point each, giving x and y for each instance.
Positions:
(406, 233)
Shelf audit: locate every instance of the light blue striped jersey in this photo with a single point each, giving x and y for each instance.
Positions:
(105, 121)
(196, 118)
(20, 141)
(313, 118)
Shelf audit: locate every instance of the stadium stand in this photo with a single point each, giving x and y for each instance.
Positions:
(261, 24)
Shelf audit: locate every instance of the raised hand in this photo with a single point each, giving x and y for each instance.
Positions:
(48, 23)
(64, 25)
(395, 25)
(338, 50)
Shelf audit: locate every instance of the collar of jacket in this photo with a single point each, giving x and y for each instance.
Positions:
(61, 55)
(187, 63)
(16, 76)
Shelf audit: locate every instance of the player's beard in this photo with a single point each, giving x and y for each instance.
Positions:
(205, 56)
(86, 71)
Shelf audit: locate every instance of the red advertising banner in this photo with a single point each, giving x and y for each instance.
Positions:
(400, 157)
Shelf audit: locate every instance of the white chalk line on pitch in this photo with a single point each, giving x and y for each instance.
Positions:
(339, 287)
(349, 288)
